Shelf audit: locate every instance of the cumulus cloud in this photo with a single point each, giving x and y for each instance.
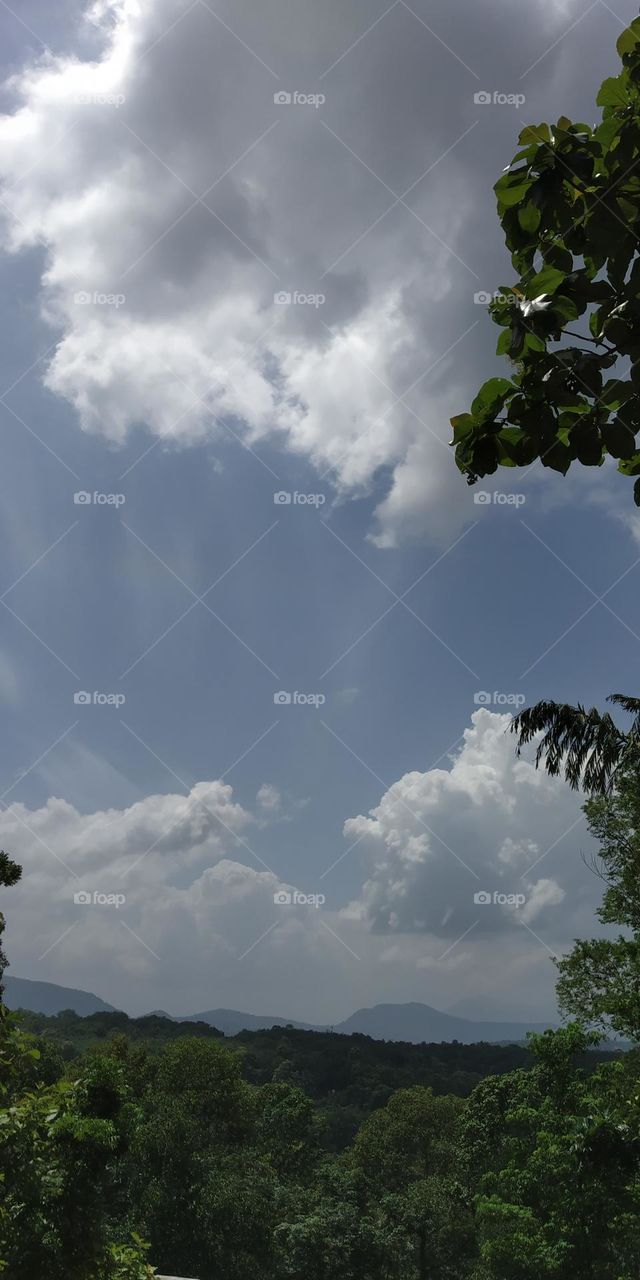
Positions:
(151, 904)
(178, 909)
(174, 201)
(485, 845)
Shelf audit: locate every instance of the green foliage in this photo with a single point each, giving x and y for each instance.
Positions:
(600, 978)
(10, 873)
(288, 1128)
(57, 1148)
(339, 1231)
(569, 206)
(409, 1138)
(559, 1195)
(585, 746)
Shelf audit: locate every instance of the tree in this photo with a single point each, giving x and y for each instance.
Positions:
(407, 1154)
(288, 1129)
(59, 1140)
(586, 745)
(58, 1148)
(200, 1192)
(10, 873)
(554, 1160)
(569, 206)
(600, 978)
(338, 1231)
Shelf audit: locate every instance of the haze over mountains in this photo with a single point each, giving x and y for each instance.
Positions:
(413, 1022)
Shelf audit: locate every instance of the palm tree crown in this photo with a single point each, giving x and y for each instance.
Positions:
(586, 746)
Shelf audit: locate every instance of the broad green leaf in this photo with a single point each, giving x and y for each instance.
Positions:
(511, 196)
(533, 343)
(546, 281)
(535, 133)
(504, 343)
(557, 457)
(565, 308)
(463, 425)
(615, 393)
(485, 456)
(557, 256)
(630, 466)
(587, 445)
(619, 439)
(529, 217)
(491, 397)
(613, 93)
(627, 42)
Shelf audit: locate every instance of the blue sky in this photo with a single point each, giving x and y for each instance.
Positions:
(186, 390)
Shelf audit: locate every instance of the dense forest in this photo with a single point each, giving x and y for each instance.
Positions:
(347, 1077)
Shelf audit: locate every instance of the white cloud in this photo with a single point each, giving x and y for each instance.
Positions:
(269, 797)
(488, 824)
(187, 902)
(199, 927)
(106, 164)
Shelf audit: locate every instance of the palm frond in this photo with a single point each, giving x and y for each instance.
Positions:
(586, 746)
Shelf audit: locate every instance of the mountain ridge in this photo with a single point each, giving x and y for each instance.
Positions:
(412, 1022)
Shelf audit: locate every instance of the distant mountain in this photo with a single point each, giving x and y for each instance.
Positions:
(231, 1022)
(416, 1023)
(47, 997)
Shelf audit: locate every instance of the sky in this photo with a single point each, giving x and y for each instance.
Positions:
(259, 642)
